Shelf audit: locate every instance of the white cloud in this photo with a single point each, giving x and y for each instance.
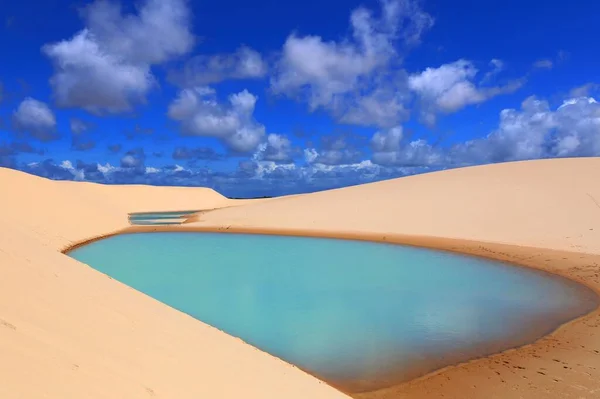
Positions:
(384, 105)
(537, 131)
(340, 148)
(578, 128)
(325, 69)
(390, 149)
(350, 77)
(200, 114)
(77, 174)
(265, 169)
(387, 141)
(310, 155)
(159, 32)
(134, 159)
(543, 64)
(534, 131)
(451, 87)
(277, 148)
(66, 165)
(106, 168)
(106, 66)
(244, 63)
(89, 78)
(129, 161)
(354, 172)
(150, 169)
(332, 157)
(36, 118)
(360, 171)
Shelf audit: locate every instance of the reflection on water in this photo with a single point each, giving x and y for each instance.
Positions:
(359, 315)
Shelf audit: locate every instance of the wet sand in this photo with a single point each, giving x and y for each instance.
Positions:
(69, 331)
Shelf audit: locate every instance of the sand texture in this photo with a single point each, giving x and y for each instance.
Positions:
(67, 331)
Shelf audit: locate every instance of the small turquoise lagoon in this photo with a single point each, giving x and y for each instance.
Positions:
(358, 315)
(159, 218)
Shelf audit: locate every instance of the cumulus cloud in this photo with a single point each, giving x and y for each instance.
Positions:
(351, 77)
(87, 77)
(134, 158)
(50, 169)
(277, 148)
(106, 66)
(293, 178)
(381, 102)
(35, 118)
(200, 114)
(531, 132)
(391, 148)
(244, 63)
(577, 130)
(109, 174)
(537, 131)
(451, 87)
(338, 149)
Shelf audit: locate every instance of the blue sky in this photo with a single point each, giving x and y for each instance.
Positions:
(269, 98)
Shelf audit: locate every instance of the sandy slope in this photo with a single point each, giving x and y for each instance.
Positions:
(68, 331)
(549, 204)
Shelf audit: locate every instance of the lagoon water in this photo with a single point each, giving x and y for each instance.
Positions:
(159, 218)
(359, 315)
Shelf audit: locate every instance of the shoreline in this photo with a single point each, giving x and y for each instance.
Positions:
(511, 255)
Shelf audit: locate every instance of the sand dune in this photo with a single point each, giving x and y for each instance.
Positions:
(549, 204)
(67, 331)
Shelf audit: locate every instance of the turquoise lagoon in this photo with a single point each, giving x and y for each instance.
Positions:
(159, 218)
(358, 315)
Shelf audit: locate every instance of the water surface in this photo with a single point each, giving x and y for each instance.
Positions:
(159, 218)
(359, 315)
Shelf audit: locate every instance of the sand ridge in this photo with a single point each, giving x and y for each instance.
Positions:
(83, 334)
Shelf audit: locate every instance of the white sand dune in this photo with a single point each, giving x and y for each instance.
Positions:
(549, 204)
(68, 331)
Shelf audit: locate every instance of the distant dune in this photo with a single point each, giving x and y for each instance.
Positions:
(548, 203)
(68, 331)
